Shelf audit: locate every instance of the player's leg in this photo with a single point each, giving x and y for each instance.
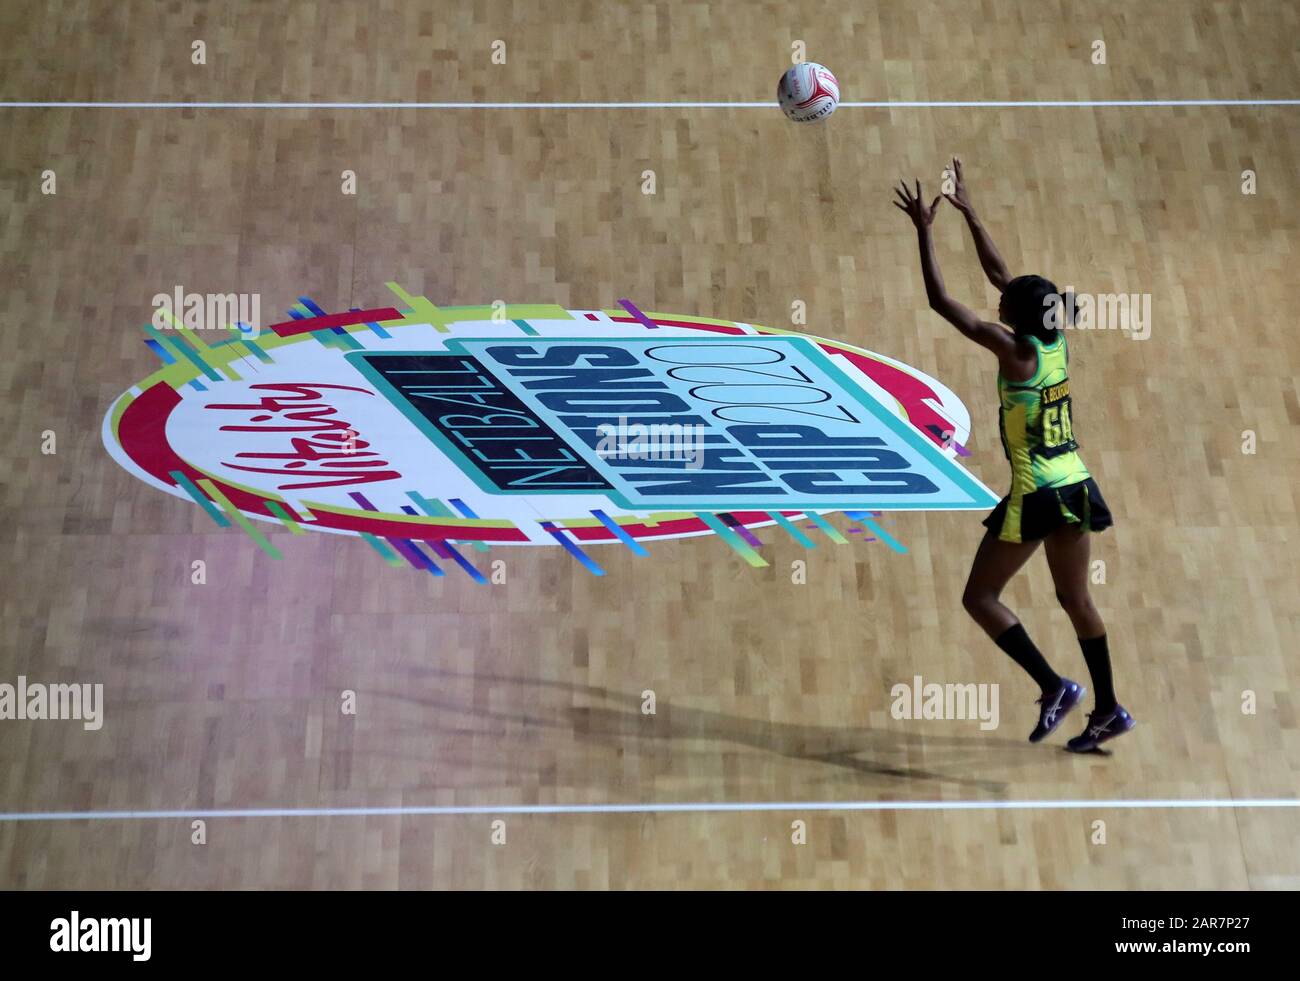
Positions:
(1068, 552)
(995, 563)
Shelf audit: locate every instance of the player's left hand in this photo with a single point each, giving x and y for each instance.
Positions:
(913, 206)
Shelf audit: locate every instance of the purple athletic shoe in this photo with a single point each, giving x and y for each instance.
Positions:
(1055, 707)
(1102, 727)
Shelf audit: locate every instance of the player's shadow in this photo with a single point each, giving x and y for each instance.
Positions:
(615, 717)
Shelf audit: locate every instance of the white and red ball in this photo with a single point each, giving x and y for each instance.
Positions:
(808, 92)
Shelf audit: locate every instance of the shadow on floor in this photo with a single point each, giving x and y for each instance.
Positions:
(615, 719)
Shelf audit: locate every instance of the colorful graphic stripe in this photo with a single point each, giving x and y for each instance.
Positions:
(637, 315)
(865, 518)
(404, 546)
(738, 526)
(791, 530)
(827, 528)
(389, 556)
(464, 563)
(619, 533)
(309, 324)
(187, 485)
(738, 544)
(411, 552)
(285, 518)
(239, 518)
(571, 548)
(437, 509)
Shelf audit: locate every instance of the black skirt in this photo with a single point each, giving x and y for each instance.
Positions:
(1036, 515)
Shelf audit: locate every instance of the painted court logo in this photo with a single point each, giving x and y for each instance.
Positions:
(431, 432)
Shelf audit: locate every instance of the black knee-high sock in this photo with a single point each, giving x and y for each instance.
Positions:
(1021, 649)
(1097, 654)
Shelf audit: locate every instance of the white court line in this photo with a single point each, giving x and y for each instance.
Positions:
(1083, 104)
(693, 807)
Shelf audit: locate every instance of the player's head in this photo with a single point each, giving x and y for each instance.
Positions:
(1033, 307)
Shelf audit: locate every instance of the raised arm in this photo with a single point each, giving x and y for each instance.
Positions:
(996, 338)
(994, 268)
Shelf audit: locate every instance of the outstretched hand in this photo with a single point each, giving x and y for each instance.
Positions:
(960, 197)
(913, 206)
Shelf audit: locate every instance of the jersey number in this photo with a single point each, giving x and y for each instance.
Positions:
(1058, 434)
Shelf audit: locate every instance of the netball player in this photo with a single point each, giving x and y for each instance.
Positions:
(1053, 499)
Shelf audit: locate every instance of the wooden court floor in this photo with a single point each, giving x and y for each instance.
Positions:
(226, 695)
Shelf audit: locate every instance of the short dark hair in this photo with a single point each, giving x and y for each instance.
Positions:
(1029, 303)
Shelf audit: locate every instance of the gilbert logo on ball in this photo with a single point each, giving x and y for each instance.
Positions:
(428, 429)
(808, 92)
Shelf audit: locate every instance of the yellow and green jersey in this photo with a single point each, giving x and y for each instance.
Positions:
(1037, 435)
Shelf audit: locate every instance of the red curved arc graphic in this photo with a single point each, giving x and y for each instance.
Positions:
(142, 433)
(910, 391)
(307, 325)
